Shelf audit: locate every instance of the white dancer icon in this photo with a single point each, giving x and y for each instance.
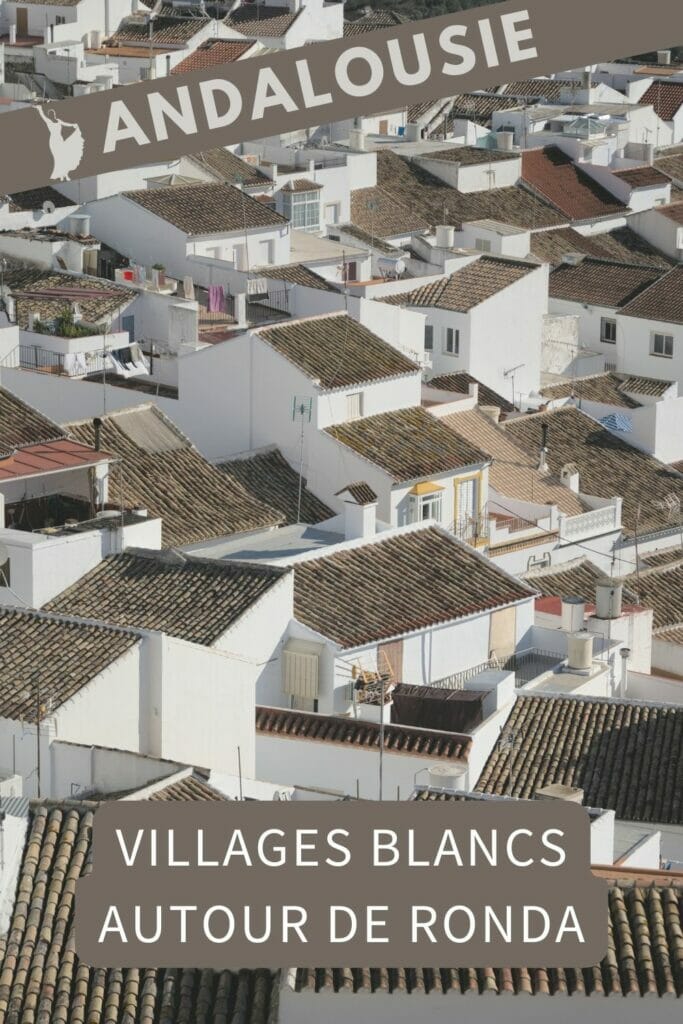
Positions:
(66, 146)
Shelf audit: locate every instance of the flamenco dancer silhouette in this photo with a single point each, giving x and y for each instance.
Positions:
(66, 144)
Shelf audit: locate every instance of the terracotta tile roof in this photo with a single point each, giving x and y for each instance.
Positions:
(48, 457)
(600, 282)
(206, 209)
(301, 185)
(558, 180)
(361, 493)
(33, 199)
(665, 97)
(627, 756)
(191, 787)
(297, 273)
(261, 20)
(662, 301)
(190, 598)
(406, 582)
(227, 167)
(459, 384)
(165, 30)
(398, 739)
(60, 655)
(470, 155)
(608, 466)
(572, 579)
(547, 89)
(513, 473)
(269, 479)
(407, 198)
(337, 351)
(671, 164)
(643, 958)
(48, 293)
(662, 590)
(408, 444)
(464, 289)
(641, 177)
(674, 212)
(608, 388)
(212, 52)
(164, 473)
(43, 979)
(22, 425)
(621, 245)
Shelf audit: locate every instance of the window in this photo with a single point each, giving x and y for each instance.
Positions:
(452, 343)
(303, 209)
(60, 20)
(663, 345)
(350, 271)
(608, 330)
(265, 253)
(482, 244)
(354, 405)
(426, 502)
(429, 338)
(430, 507)
(332, 213)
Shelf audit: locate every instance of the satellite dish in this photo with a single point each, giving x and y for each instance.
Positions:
(49, 206)
(4, 553)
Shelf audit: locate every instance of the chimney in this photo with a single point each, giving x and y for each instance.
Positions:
(360, 511)
(543, 456)
(608, 598)
(663, 56)
(97, 424)
(625, 654)
(573, 614)
(570, 477)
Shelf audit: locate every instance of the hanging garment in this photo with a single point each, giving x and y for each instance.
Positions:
(215, 298)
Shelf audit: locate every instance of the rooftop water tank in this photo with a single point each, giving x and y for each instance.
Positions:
(608, 598)
(580, 651)
(446, 776)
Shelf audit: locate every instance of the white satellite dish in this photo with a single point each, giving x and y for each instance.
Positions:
(49, 206)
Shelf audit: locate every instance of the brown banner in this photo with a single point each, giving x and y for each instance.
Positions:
(328, 81)
(204, 884)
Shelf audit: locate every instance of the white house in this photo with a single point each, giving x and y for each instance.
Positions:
(667, 100)
(650, 330)
(661, 227)
(70, 20)
(284, 24)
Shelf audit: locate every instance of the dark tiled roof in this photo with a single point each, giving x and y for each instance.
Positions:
(479, 107)
(467, 155)
(301, 185)
(408, 444)
(21, 425)
(407, 197)
(230, 168)
(643, 958)
(576, 579)
(63, 657)
(361, 493)
(662, 301)
(407, 582)
(337, 351)
(641, 177)
(459, 383)
(212, 52)
(662, 557)
(43, 980)
(674, 211)
(373, 20)
(671, 164)
(462, 290)
(297, 273)
(191, 787)
(369, 240)
(164, 473)
(553, 175)
(621, 245)
(608, 388)
(608, 466)
(165, 30)
(33, 199)
(662, 590)
(665, 97)
(547, 89)
(268, 478)
(626, 756)
(206, 209)
(190, 598)
(48, 293)
(600, 283)
(261, 20)
(366, 735)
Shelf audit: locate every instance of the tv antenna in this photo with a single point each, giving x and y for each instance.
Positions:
(511, 373)
(302, 407)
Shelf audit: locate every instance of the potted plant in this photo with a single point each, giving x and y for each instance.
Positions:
(161, 273)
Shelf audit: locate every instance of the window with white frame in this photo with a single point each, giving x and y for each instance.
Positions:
(663, 345)
(429, 338)
(303, 209)
(452, 342)
(482, 244)
(427, 506)
(608, 330)
(354, 405)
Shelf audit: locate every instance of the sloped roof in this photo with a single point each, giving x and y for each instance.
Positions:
(34, 198)
(662, 301)
(552, 174)
(336, 350)
(661, 588)
(47, 293)
(227, 167)
(43, 979)
(470, 155)
(406, 582)
(165, 30)
(269, 479)
(164, 473)
(571, 579)
(262, 20)
(21, 424)
(192, 786)
(625, 755)
(641, 177)
(297, 273)
(459, 384)
(190, 598)
(608, 388)
(48, 457)
(408, 444)
(463, 289)
(600, 282)
(60, 655)
(206, 209)
(665, 97)
(621, 245)
(608, 466)
(212, 52)
(546, 89)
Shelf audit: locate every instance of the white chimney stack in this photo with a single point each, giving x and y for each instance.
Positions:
(569, 475)
(360, 511)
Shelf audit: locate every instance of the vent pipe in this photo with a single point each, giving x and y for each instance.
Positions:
(543, 456)
(608, 594)
(97, 424)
